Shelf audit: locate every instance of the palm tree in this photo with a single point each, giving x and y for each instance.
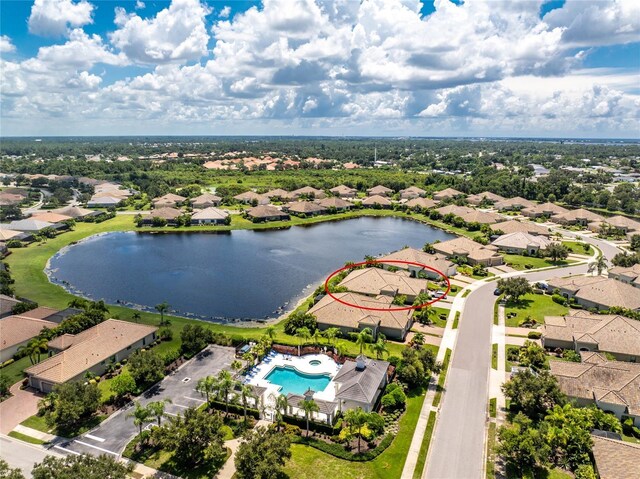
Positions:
(136, 317)
(98, 306)
(236, 366)
(418, 339)
(225, 385)
(207, 386)
(341, 349)
(316, 337)
(77, 303)
(303, 335)
(156, 409)
(270, 332)
(29, 350)
(365, 336)
(162, 308)
(309, 406)
(246, 392)
(140, 415)
(356, 418)
(379, 348)
(600, 264)
(40, 346)
(331, 334)
(370, 259)
(282, 404)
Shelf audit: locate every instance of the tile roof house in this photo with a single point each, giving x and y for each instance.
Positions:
(516, 203)
(436, 261)
(42, 312)
(379, 190)
(520, 242)
(7, 234)
(335, 203)
(308, 191)
(411, 193)
(484, 197)
(251, 196)
(475, 253)
(6, 304)
(616, 459)
(209, 216)
(422, 203)
(360, 382)
(51, 217)
(330, 313)
(308, 208)
(29, 225)
(75, 212)
(544, 209)
(515, 226)
(104, 201)
(92, 350)
(598, 292)
(166, 213)
(377, 201)
(16, 331)
(470, 215)
(447, 193)
(266, 213)
(579, 216)
(206, 200)
(611, 385)
(168, 201)
(278, 194)
(584, 331)
(621, 223)
(344, 191)
(10, 199)
(377, 281)
(629, 275)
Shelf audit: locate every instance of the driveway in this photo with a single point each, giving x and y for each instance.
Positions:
(22, 404)
(460, 428)
(114, 433)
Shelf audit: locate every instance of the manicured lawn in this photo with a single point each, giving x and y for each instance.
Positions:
(14, 371)
(508, 364)
(535, 305)
(442, 378)
(493, 407)
(424, 447)
(309, 463)
(25, 438)
(519, 262)
(36, 422)
(456, 320)
(494, 356)
(491, 444)
(578, 247)
(39, 424)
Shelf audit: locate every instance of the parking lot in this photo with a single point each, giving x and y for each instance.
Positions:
(114, 433)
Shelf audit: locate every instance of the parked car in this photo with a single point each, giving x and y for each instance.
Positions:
(497, 292)
(542, 285)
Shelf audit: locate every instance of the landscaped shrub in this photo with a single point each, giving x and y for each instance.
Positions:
(556, 298)
(340, 452)
(534, 335)
(234, 408)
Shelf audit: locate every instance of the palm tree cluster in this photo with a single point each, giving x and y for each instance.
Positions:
(226, 389)
(146, 414)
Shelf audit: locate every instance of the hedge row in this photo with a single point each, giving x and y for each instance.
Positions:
(301, 422)
(235, 409)
(340, 452)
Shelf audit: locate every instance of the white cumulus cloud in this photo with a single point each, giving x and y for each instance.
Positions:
(53, 17)
(5, 44)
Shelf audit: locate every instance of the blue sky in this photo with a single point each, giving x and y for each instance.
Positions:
(377, 67)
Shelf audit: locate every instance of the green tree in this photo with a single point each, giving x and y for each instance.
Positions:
(122, 385)
(303, 334)
(356, 420)
(5, 385)
(532, 355)
(262, 454)
(297, 320)
(331, 334)
(7, 473)
(146, 367)
(73, 402)
(281, 408)
(522, 446)
(225, 385)
(514, 288)
(194, 339)
(207, 386)
(557, 251)
(270, 331)
(379, 348)
(585, 471)
(157, 409)
(308, 406)
(533, 394)
(162, 308)
(84, 466)
(140, 414)
(599, 265)
(365, 336)
(246, 393)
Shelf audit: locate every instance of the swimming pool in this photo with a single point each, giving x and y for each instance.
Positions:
(293, 381)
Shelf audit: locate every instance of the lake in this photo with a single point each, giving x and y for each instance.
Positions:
(240, 275)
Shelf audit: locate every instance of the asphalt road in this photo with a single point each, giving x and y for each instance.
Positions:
(22, 455)
(112, 435)
(458, 447)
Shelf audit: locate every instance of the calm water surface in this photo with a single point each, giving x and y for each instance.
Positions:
(237, 276)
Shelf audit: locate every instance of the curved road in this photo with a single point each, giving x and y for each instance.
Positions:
(458, 447)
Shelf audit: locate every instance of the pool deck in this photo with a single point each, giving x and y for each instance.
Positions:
(327, 366)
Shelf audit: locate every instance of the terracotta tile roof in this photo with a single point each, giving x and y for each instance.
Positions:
(210, 213)
(413, 255)
(470, 215)
(376, 200)
(425, 203)
(514, 202)
(18, 329)
(205, 199)
(620, 221)
(166, 213)
(278, 192)
(376, 281)
(616, 459)
(51, 217)
(380, 190)
(7, 234)
(447, 193)
(41, 312)
(544, 209)
(334, 202)
(74, 211)
(580, 214)
(514, 226)
(343, 190)
(305, 207)
(308, 190)
(266, 211)
(412, 192)
(465, 247)
(169, 198)
(249, 196)
(610, 292)
(95, 345)
(485, 195)
(520, 240)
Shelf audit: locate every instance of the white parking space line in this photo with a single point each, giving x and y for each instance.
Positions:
(180, 405)
(171, 414)
(95, 438)
(96, 447)
(194, 399)
(67, 450)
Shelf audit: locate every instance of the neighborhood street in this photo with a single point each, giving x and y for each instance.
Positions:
(458, 447)
(23, 455)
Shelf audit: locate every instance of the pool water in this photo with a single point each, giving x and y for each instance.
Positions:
(295, 382)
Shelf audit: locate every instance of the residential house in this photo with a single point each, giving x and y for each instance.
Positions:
(266, 213)
(613, 386)
(545, 209)
(377, 201)
(484, 197)
(306, 208)
(278, 194)
(7, 303)
(326, 409)
(380, 190)
(598, 292)
(629, 275)
(7, 234)
(580, 217)
(515, 226)
(334, 203)
(411, 193)
(209, 216)
(520, 243)
(168, 201)
(51, 217)
(10, 199)
(76, 212)
(16, 331)
(170, 215)
(470, 215)
(421, 203)
(330, 313)
(615, 459)
(309, 192)
(619, 223)
(251, 197)
(448, 194)
(612, 334)
(472, 252)
(91, 350)
(377, 281)
(344, 191)
(359, 383)
(516, 203)
(30, 225)
(412, 255)
(206, 200)
(104, 201)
